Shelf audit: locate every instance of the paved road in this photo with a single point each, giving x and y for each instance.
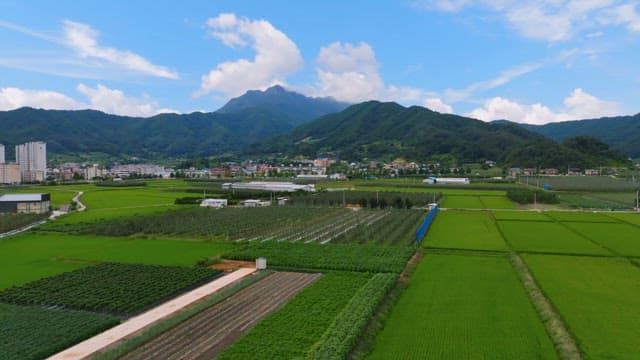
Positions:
(133, 325)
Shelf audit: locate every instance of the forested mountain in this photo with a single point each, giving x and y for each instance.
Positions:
(622, 133)
(294, 108)
(376, 130)
(255, 116)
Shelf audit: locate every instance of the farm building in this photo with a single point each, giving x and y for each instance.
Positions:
(436, 180)
(214, 203)
(25, 203)
(255, 203)
(270, 186)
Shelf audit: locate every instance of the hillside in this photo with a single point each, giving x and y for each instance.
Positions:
(383, 131)
(252, 117)
(622, 133)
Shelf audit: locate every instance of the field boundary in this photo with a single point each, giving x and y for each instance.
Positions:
(563, 340)
(133, 325)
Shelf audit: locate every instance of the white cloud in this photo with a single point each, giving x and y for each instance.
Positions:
(84, 40)
(551, 20)
(436, 104)
(578, 105)
(349, 72)
(13, 98)
(114, 101)
(275, 56)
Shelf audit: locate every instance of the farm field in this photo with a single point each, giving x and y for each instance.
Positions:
(586, 183)
(10, 222)
(462, 202)
(398, 227)
(211, 331)
(295, 329)
(497, 202)
(343, 257)
(463, 307)
(548, 237)
(32, 256)
(393, 199)
(520, 215)
(580, 216)
(623, 239)
(627, 217)
(603, 201)
(598, 299)
(464, 230)
(113, 288)
(30, 332)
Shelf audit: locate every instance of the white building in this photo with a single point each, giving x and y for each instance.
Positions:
(93, 171)
(2, 159)
(437, 180)
(214, 203)
(32, 158)
(255, 203)
(10, 174)
(270, 186)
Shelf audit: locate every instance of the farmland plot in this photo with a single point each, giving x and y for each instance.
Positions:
(109, 287)
(396, 227)
(547, 237)
(464, 230)
(463, 307)
(208, 333)
(624, 239)
(633, 218)
(597, 298)
(293, 331)
(30, 332)
(497, 202)
(520, 215)
(580, 216)
(462, 202)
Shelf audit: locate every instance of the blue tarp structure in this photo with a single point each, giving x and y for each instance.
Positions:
(427, 222)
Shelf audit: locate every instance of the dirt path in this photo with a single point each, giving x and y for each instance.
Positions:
(80, 205)
(208, 333)
(133, 325)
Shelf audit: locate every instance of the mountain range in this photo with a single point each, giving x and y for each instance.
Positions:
(283, 123)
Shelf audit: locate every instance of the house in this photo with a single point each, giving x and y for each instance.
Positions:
(25, 203)
(592, 172)
(214, 203)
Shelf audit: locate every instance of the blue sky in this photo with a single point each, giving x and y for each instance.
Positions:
(527, 61)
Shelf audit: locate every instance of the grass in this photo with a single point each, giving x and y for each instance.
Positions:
(633, 218)
(462, 202)
(32, 256)
(547, 237)
(497, 202)
(624, 239)
(598, 299)
(463, 307)
(29, 332)
(464, 230)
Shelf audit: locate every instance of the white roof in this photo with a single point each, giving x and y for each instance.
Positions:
(21, 197)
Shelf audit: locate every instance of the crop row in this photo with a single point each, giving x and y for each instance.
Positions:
(382, 199)
(291, 332)
(109, 287)
(341, 336)
(398, 227)
(10, 222)
(232, 223)
(31, 332)
(344, 257)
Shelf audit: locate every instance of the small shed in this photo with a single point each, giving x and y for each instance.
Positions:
(25, 203)
(214, 203)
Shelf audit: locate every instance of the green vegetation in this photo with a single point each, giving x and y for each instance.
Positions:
(29, 332)
(341, 336)
(589, 183)
(396, 227)
(463, 307)
(624, 239)
(10, 222)
(462, 202)
(579, 216)
(294, 330)
(598, 299)
(547, 237)
(231, 223)
(109, 287)
(627, 217)
(344, 257)
(464, 230)
(30, 256)
(599, 200)
(395, 199)
(520, 215)
(497, 202)
(526, 196)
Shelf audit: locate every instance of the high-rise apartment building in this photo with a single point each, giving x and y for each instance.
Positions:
(32, 158)
(1, 154)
